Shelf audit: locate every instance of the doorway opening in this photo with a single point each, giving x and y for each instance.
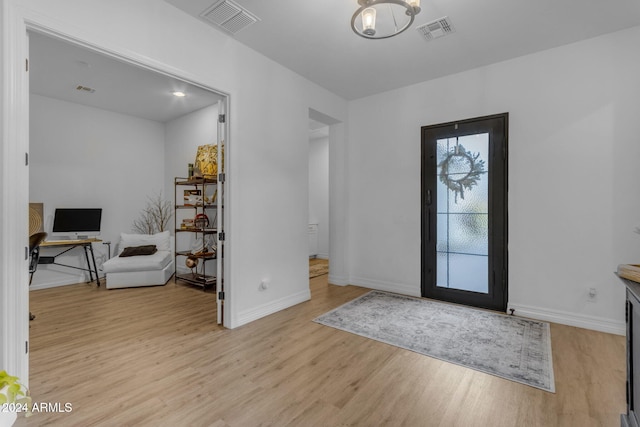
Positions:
(318, 227)
(110, 133)
(79, 143)
(464, 211)
(319, 206)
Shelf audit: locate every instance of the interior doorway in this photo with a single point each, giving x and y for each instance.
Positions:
(15, 334)
(110, 134)
(332, 131)
(464, 211)
(318, 227)
(118, 133)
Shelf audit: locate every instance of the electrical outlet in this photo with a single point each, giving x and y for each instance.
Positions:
(264, 285)
(592, 295)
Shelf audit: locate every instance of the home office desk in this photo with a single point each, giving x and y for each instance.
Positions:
(86, 245)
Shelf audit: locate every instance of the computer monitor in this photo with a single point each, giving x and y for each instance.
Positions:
(77, 222)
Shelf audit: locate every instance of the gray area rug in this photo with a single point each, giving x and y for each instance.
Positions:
(505, 346)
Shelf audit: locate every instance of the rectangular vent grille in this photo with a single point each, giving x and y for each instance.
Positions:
(85, 89)
(436, 29)
(229, 16)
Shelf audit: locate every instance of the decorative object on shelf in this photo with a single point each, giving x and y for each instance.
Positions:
(206, 165)
(381, 19)
(201, 221)
(36, 222)
(192, 197)
(198, 244)
(204, 245)
(206, 279)
(187, 223)
(155, 217)
(190, 171)
(210, 248)
(460, 169)
(206, 252)
(191, 262)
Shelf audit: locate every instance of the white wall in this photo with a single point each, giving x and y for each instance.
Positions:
(87, 157)
(182, 138)
(573, 199)
(319, 191)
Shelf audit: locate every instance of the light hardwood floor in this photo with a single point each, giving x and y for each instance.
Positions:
(154, 357)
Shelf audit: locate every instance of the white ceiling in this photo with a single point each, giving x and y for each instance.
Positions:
(56, 68)
(314, 38)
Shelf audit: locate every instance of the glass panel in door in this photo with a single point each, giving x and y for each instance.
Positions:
(462, 245)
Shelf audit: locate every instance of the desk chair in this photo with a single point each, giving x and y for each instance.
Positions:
(34, 254)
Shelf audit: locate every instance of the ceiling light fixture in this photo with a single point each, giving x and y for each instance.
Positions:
(179, 94)
(381, 19)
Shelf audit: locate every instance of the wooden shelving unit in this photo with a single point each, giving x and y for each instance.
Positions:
(196, 208)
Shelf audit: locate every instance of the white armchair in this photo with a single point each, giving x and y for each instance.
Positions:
(141, 270)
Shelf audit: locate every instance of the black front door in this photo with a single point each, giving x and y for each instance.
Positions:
(464, 211)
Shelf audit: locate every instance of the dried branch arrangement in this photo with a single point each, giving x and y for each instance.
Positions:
(155, 216)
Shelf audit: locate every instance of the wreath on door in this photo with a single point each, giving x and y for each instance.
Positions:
(461, 170)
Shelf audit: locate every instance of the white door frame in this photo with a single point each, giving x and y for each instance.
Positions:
(14, 175)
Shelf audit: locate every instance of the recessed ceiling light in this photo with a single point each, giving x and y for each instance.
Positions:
(179, 94)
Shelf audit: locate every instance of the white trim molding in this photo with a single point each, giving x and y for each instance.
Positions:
(335, 279)
(610, 326)
(73, 280)
(271, 307)
(398, 288)
(14, 227)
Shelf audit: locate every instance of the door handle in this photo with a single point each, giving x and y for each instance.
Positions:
(428, 203)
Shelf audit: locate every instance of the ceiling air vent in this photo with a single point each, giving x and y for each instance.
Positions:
(229, 16)
(85, 89)
(435, 29)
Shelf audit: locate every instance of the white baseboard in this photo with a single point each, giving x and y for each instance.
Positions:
(259, 312)
(58, 281)
(398, 288)
(571, 319)
(322, 256)
(338, 280)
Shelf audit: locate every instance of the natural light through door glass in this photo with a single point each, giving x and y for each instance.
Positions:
(463, 213)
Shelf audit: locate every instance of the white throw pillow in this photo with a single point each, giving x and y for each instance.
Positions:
(161, 240)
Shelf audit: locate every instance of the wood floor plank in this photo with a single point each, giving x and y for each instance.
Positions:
(154, 357)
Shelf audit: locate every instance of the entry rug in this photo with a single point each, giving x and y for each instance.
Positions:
(505, 346)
